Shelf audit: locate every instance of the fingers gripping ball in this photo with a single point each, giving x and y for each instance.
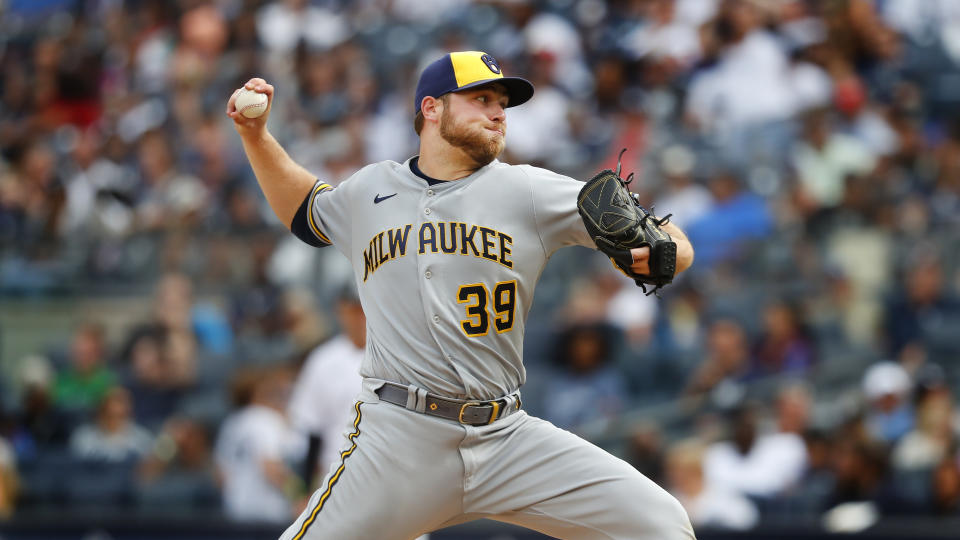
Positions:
(617, 223)
(250, 104)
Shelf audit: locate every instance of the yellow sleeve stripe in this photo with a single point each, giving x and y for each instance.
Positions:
(336, 476)
(313, 224)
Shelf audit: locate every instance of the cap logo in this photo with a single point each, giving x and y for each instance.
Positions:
(491, 63)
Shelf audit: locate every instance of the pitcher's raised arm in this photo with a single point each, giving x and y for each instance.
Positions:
(284, 183)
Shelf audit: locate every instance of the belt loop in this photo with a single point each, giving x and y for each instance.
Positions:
(411, 397)
(421, 400)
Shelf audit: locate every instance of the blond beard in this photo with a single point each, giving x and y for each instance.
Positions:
(480, 148)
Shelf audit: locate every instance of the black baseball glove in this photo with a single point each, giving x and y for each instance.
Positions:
(617, 223)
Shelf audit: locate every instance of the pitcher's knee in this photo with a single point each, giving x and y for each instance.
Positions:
(670, 520)
(655, 513)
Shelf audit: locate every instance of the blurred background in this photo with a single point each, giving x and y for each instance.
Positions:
(799, 380)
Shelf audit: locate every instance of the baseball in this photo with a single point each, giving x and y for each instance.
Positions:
(250, 104)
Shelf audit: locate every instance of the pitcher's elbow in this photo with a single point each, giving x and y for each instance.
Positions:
(684, 256)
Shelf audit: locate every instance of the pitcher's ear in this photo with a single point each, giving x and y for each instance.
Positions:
(431, 107)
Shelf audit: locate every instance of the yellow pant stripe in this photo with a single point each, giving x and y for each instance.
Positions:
(313, 224)
(336, 476)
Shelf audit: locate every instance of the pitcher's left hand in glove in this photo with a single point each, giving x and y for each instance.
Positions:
(617, 223)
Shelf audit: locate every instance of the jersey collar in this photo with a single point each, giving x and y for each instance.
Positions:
(413, 167)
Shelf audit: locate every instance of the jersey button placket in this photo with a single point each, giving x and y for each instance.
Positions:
(426, 211)
(428, 274)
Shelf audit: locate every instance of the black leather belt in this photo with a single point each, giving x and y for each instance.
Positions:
(471, 413)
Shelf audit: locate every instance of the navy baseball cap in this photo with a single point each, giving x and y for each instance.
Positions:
(468, 69)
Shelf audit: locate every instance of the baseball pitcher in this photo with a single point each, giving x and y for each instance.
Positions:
(446, 249)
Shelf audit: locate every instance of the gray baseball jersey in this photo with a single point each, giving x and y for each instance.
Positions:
(446, 275)
(446, 272)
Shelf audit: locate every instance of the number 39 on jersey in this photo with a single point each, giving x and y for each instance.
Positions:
(484, 307)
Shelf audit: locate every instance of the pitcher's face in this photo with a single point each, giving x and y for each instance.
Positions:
(475, 121)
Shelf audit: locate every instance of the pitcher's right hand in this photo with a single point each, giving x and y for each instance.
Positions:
(251, 126)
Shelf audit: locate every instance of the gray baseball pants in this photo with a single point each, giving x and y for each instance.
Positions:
(404, 473)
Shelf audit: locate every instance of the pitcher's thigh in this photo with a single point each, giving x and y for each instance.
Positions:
(583, 492)
(378, 490)
(619, 509)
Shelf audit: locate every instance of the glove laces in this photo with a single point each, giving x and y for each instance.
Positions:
(629, 178)
(649, 215)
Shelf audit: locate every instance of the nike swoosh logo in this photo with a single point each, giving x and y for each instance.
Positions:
(378, 199)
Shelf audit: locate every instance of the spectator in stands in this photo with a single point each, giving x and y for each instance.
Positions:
(923, 311)
(256, 311)
(592, 301)
(665, 36)
(886, 387)
(233, 226)
(9, 483)
(160, 355)
(680, 194)
(40, 425)
(784, 346)
(210, 150)
(646, 451)
(709, 504)
(31, 199)
(805, 37)
(540, 134)
(726, 362)
(686, 327)
(859, 466)
(240, 218)
(282, 25)
(587, 386)
(810, 495)
(945, 201)
(859, 118)
(113, 436)
(252, 448)
(632, 311)
(197, 63)
(748, 83)
(737, 217)
(859, 34)
(934, 435)
(761, 466)
(306, 325)
(87, 378)
(946, 485)
(171, 197)
(98, 192)
(179, 474)
(793, 409)
(823, 160)
(321, 405)
(832, 314)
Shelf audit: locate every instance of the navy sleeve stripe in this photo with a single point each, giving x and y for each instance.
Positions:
(303, 225)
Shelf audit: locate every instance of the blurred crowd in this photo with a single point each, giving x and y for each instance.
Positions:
(805, 367)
